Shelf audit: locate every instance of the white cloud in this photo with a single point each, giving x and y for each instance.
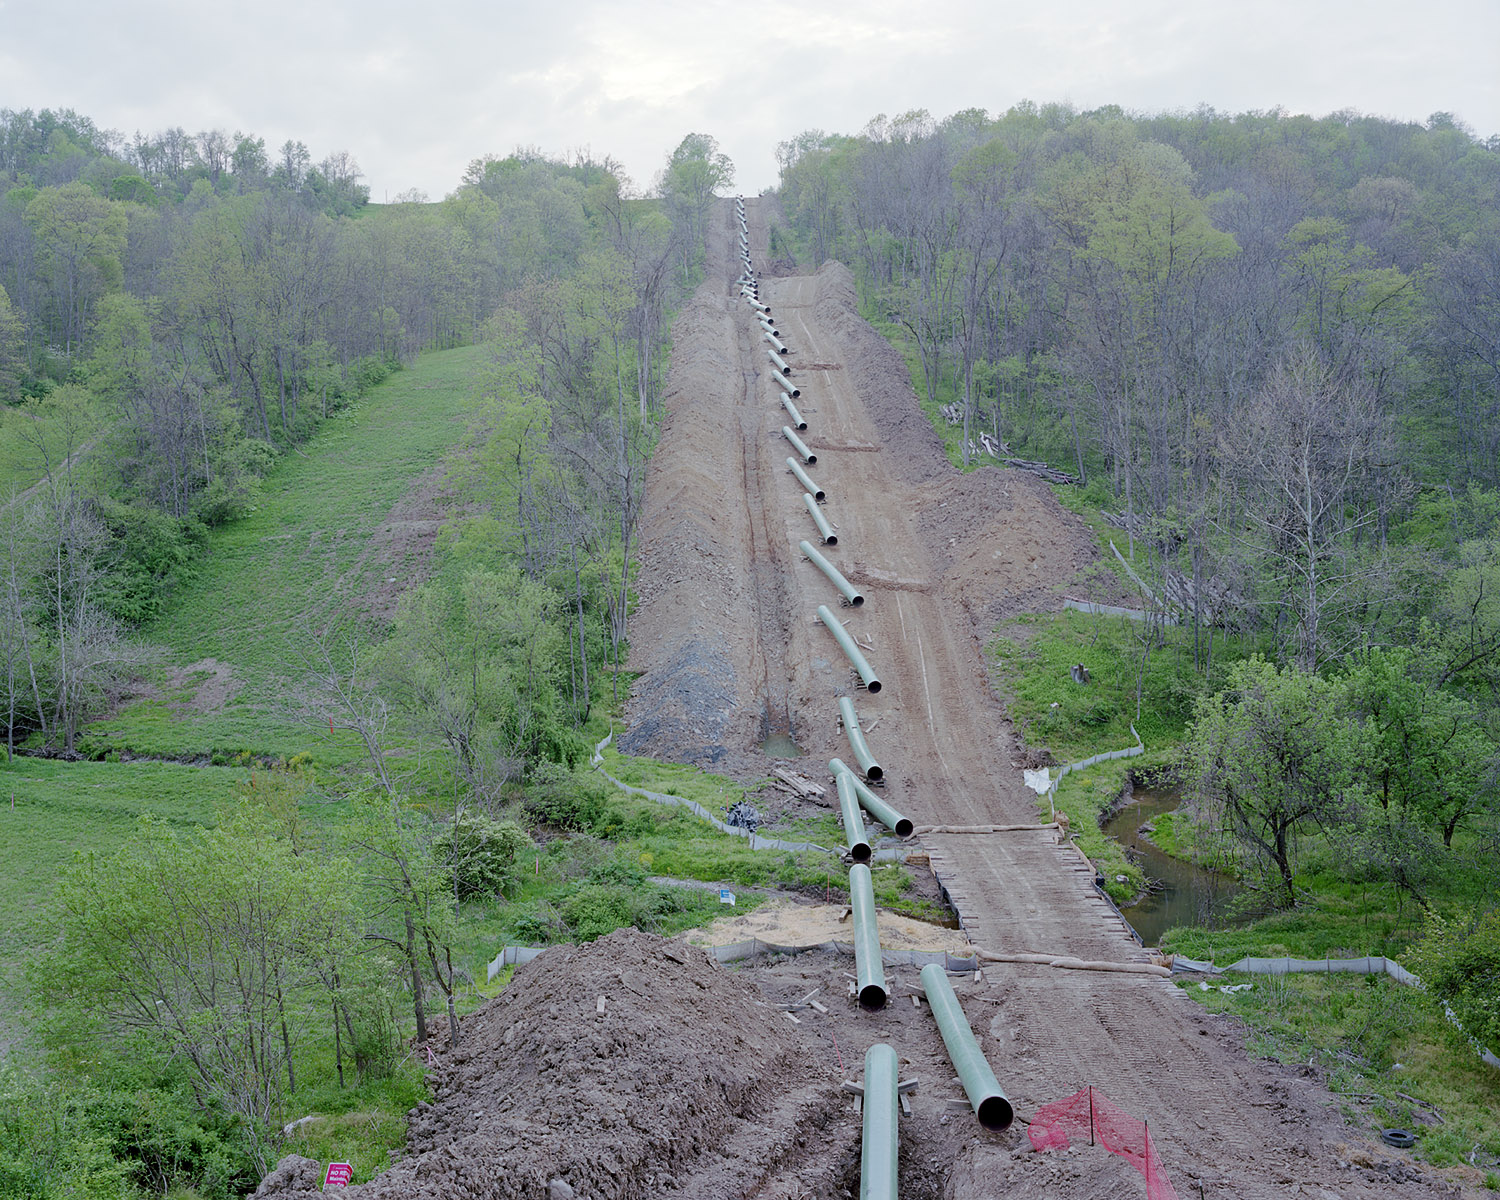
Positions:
(415, 93)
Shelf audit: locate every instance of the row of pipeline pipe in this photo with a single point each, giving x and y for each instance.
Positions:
(836, 577)
(852, 652)
(799, 445)
(880, 1142)
(874, 772)
(896, 822)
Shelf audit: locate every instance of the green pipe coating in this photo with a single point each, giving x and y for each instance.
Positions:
(805, 479)
(846, 643)
(880, 1138)
(900, 825)
(856, 735)
(853, 819)
(869, 970)
(989, 1102)
(824, 528)
(835, 577)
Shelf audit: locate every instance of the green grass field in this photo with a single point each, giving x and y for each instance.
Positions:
(308, 555)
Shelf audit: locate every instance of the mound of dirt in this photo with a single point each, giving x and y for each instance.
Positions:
(879, 375)
(658, 1094)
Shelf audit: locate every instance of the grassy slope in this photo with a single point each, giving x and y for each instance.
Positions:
(298, 561)
(300, 554)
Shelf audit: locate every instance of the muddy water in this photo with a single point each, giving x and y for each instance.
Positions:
(780, 745)
(1187, 895)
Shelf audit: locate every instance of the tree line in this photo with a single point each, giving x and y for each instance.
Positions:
(213, 975)
(1267, 347)
(178, 311)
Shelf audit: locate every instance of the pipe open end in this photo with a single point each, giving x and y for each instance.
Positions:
(831, 540)
(995, 1113)
(860, 852)
(812, 460)
(873, 686)
(801, 424)
(872, 998)
(820, 495)
(796, 393)
(904, 829)
(857, 602)
(876, 772)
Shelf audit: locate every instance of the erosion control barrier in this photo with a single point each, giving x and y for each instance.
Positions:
(872, 769)
(799, 445)
(779, 362)
(989, 1103)
(754, 948)
(791, 411)
(879, 1138)
(1089, 1113)
(790, 388)
(846, 589)
(869, 970)
(900, 825)
(1094, 760)
(825, 530)
(1372, 965)
(852, 652)
(805, 479)
(853, 819)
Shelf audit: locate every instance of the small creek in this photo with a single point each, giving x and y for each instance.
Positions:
(1186, 895)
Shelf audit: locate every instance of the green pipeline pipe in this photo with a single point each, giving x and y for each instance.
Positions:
(830, 538)
(851, 651)
(869, 970)
(791, 411)
(790, 388)
(799, 445)
(880, 1142)
(768, 327)
(781, 364)
(775, 341)
(989, 1102)
(805, 479)
(846, 589)
(862, 755)
(854, 820)
(900, 825)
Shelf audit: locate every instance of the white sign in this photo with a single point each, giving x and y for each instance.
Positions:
(726, 896)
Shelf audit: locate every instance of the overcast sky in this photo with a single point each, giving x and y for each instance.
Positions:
(414, 90)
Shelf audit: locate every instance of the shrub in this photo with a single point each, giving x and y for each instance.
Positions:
(481, 853)
(568, 801)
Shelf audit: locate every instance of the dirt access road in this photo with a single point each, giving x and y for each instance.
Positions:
(731, 650)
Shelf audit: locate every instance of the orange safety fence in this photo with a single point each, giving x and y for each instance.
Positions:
(1088, 1113)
